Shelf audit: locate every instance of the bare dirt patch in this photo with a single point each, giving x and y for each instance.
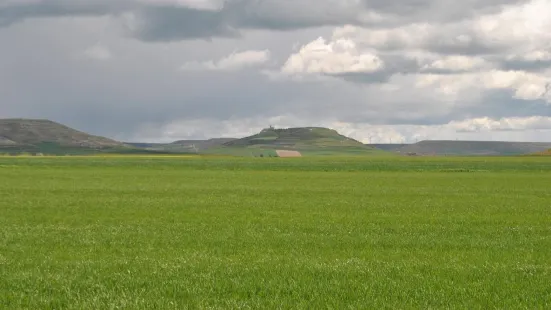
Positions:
(285, 153)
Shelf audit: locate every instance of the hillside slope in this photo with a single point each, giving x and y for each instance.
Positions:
(6, 141)
(200, 145)
(435, 147)
(306, 140)
(27, 131)
(44, 136)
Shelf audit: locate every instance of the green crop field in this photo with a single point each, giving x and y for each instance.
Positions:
(124, 232)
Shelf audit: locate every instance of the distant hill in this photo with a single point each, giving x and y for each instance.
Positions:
(214, 141)
(144, 144)
(28, 131)
(183, 146)
(490, 148)
(6, 141)
(306, 140)
(44, 136)
(387, 146)
(48, 137)
(200, 145)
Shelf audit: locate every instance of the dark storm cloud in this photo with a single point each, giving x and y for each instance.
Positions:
(526, 65)
(165, 22)
(171, 23)
(15, 12)
(160, 21)
(451, 46)
(444, 71)
(501, 104)
(365, 78)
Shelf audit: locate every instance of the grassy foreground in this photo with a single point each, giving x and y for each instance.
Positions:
(176, 233)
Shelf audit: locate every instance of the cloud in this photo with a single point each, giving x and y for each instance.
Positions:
(166, 23)
(168, 20)
(98, 52)
(503, 124)
(506, 50)
(477, 129)
(456, 63)
(234, 61)
(526, 86)
(535, 60)
(212, 5)
(389, 70)
(481, 129)
(341, 56)
(520, 30)
(535, 55)
(173, 23)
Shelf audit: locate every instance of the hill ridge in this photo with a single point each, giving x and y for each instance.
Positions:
(306, 140)
(23, 135)
(472, 147)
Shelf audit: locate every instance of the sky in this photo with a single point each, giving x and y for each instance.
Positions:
(378, 71)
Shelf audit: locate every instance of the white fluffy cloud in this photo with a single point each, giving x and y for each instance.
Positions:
(524, 85)
(527, 86)
(503, 124)
(340, 56)
(234, 61)
(453, 58)
(521, 28)
(528, 24)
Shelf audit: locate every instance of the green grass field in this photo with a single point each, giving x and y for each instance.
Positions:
(53, 149)
(126, 232)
